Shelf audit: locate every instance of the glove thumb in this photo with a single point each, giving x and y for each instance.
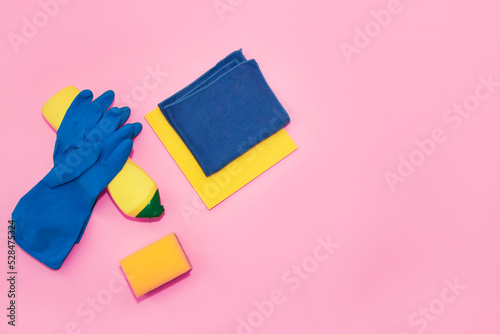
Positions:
(74, 165)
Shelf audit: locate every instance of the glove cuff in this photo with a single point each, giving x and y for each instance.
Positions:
(48, 221)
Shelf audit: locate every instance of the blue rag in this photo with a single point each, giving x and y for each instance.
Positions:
(225, 112)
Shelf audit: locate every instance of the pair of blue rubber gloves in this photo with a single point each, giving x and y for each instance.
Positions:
(92, 146)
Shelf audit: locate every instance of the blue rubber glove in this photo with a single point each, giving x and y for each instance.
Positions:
(91, 148)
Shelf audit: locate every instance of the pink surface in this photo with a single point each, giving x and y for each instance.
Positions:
(418, 254)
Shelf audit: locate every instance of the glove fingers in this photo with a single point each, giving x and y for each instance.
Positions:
(75, 112)
(104, 101)
(117, 118)
(108, 124)
(74, 164)
(99, 176)
(128, 131)
(118, 157)
(96, 110)
(125, 114)
(115, 150)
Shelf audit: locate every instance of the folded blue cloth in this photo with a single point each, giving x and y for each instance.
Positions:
(225, 112)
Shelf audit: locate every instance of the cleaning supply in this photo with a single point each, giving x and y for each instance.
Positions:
(219, 186)
(91, 148)
(225, 112)
(155, 265)
(133, 190)
(227, 124)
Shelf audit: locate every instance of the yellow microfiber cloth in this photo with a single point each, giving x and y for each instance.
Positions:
(155, 264)
(217, 187)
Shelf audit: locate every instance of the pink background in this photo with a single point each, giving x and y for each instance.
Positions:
(398, 250)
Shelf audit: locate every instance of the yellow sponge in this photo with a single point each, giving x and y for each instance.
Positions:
(217, 187)
(155, 264)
